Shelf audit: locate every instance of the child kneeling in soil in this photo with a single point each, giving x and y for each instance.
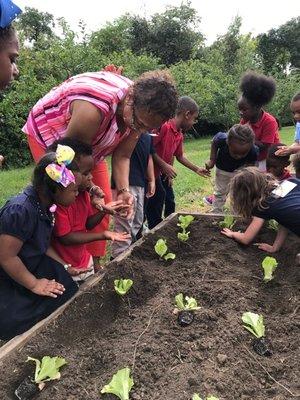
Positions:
(33, 281)
(70, 234)
(258, 195)
(230, 151)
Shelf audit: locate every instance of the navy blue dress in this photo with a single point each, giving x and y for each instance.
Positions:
(24, 218)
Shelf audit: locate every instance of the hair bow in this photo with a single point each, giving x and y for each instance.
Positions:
(59, 172)
(8, 12)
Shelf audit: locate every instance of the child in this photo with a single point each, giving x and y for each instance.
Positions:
(169, 144)
(257, 91)
(9, 47)
(141, 174)
(72, 223)
(295, 147)
(230, 152)
(252, 195)
(32, 282)
(277, 165)
(296, 164)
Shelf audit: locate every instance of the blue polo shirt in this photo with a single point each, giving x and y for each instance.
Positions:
(224, 160)
(285, 210)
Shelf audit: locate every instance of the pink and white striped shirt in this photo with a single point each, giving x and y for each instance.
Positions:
(49, 118)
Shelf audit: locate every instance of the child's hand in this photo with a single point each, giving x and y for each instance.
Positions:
(119, 237)
(115, 207)
(203, 172)
(169, 171)
(228, 232)
(266, 247)
(209, 165)
(45, 287)
(114, 69)
(151, 189)
(284, 151)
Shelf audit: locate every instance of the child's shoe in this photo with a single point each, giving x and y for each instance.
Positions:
(208, 200)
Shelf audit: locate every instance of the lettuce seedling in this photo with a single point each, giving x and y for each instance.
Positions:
(185, 221)
(186, 304)
(272, 224)
(254, 323)
(228, 222)
(183, 236)
(197, 397)
(47, 369)
(161, 249)
(122, 286)
(120, 385)
(269, 264)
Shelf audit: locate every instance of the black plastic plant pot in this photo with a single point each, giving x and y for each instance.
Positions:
(185, 317)
(27, 389)
(262, 346)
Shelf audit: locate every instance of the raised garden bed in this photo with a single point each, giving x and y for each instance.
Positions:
(101, 332)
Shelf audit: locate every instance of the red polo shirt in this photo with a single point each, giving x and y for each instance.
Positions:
(168, 143)
(265, 130)
(73, 219)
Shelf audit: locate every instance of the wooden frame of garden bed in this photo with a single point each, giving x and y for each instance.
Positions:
(20, 340)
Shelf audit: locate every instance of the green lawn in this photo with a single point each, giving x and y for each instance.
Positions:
(189, 187)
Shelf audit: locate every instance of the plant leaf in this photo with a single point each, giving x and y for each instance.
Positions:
(212, 398)
(185, 220)
(179, 301)
(48, 368)
(187, 303)
(120, 385)
(228, 222)
(196, 397)
(183, 236)
(273, 224)
(161, 247)
(269, 264)
(170, 256)
(122, 286)
(254, 323)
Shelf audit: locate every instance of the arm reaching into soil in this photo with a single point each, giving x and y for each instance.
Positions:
(278, 242)
(249, 234)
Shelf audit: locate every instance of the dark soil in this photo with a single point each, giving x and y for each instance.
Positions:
(98, 333)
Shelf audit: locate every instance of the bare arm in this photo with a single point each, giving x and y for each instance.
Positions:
(213, 156)
(81, 238)
(94, 220)
(166, 168)
(198, 170)
(249, 234)
(278, 242)
(151, 178)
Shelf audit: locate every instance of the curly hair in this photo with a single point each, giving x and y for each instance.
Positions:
(6, 34)
(249, 189)
(242, 134)
(156, 92)
(257, 89)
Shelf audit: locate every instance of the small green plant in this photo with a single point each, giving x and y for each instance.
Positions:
(161, 249)
(272, 224)
(184, 222)
(269, 264)
(47, 369)
(120, 385)
(197, 397)
(228, 222)
(122, 286)
(185, 303)
(254, 323)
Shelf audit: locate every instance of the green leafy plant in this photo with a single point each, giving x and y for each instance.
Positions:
(120, 385)
(197, 397)
(47, 369)
(254, 323)
(269, 264)
(161, 249)
(122, 286)
(186, 303)
(272, 224)
(228, 222)
(184, 222)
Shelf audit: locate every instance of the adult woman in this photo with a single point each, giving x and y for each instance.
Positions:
(107, 111)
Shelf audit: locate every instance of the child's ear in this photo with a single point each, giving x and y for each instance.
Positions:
(187, 114)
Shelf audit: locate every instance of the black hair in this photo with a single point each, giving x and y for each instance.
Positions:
(186, 103)
(257, 89)
(272, 150)
(5, 34)
(155, 91)
(296, 97)
(274, 161)
(40, 178)
(241, 133)
(80, 148)
(296, 164)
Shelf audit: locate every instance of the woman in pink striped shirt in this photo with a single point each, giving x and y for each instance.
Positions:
(107, 111)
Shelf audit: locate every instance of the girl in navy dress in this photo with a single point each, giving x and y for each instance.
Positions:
(32, 283)
(258, 195)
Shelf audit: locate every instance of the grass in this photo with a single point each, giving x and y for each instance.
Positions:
(189, 187)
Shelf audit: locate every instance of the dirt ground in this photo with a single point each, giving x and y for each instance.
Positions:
(101, 332)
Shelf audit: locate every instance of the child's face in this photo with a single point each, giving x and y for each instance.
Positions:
(86, 165)
(238, 150)
(8, 57)
(295, 108)
(66, 196)
(246, 110)
(189, 119)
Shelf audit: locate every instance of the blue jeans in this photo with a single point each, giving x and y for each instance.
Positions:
(163, 197)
